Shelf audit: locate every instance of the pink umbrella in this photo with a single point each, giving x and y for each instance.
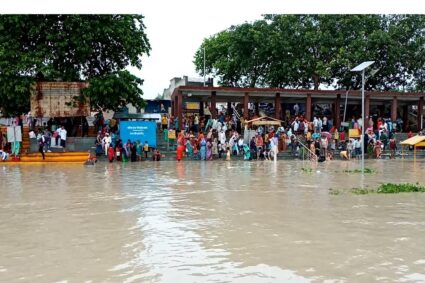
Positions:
(327, 135)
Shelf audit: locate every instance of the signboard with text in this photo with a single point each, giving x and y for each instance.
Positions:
(192, 105)
(138, 130)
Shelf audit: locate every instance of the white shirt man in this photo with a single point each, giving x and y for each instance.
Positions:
(295, 125)
(240, 142)
(296, 108)
(106, 141)
(62, 134)
(222, 136)
(325, 123)
(305, 127)
(273, 147)
(360, 123)
(315, 123)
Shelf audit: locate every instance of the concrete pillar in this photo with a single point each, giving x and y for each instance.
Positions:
(180, 109)
(420, 112)
(213, 105)
(337, 114)
(201, 108)
(394, 108)
(229, 108)
(405, 117)
(308, 104)
(277, 108)
(245, 106)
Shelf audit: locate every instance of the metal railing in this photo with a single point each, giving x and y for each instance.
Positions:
(311, 155)
(236, 113)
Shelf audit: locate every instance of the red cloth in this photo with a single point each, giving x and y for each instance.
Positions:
(111, 153)
(179, 153)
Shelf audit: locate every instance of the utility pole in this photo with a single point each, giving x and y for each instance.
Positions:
(204, 66)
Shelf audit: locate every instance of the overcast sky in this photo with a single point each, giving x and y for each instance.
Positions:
(175, 32)
(176, 28)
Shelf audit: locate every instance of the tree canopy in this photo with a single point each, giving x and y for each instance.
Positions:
(93, 48)
(305, 51)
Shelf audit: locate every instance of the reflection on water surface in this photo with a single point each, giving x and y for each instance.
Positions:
(209, 222)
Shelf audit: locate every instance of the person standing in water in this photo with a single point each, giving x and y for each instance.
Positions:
(111, 154)
(41, 144)
(146, 149)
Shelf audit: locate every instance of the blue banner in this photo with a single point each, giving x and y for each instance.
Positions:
(138, 130)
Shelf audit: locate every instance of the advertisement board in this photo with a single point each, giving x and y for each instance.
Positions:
(192, 105)
(138, 130)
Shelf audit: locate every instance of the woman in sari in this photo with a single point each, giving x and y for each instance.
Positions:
(180, 147)
(215, 148)
(203, 149)
(189, 149)
(209, 150)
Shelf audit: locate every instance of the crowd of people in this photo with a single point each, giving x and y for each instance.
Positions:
(109, 144)
(318, 139)
(230, 135)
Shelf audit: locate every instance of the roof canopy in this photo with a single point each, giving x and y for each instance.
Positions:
(236, 94)
(265, 120)
(413, 140)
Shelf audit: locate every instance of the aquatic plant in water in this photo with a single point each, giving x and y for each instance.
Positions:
(388, 188)
(307, 170)
(366, 170)
(399, 188)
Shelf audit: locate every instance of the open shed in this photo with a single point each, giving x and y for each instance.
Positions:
(416, 141)
(264, 121)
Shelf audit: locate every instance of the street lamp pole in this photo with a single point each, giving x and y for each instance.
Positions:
(204, 66)
(362, 139)
(361, 68)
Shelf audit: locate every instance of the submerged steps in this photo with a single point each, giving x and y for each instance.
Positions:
(61, 157)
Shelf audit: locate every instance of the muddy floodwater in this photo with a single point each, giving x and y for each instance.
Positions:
(210, 222)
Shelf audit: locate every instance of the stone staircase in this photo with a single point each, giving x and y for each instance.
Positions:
(163, 145)
(62, 157)
(287, 154)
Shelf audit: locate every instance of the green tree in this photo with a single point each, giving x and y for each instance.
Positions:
(312, 50)
(237, 56)
(93, 48)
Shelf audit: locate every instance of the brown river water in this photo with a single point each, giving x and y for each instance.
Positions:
(210, 222)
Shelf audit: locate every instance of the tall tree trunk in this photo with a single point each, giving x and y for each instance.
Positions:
(316, 81)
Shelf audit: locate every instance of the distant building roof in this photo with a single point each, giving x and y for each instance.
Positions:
(122, 115)
(185, 81)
